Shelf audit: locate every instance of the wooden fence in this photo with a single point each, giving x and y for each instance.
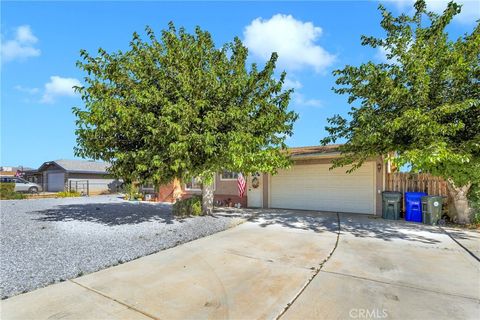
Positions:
(420, 182)
(417, 182)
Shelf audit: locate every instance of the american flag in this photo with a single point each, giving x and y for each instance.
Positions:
(241, 184)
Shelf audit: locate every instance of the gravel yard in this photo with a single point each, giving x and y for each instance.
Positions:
(49, 240)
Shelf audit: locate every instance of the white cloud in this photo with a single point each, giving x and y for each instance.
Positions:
(58, 86)
(292, 39)
(27, 89)
(300, 100)
(470, 8)
(381, 56)
(21, 46)
(292, 84)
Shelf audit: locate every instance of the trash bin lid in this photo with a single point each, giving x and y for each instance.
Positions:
(414, 195)
(435, 200)
(392, 195)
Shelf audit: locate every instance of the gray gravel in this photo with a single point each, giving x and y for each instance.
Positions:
(50, 240)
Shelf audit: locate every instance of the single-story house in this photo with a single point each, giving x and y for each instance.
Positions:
(308, 185)
(89, 177)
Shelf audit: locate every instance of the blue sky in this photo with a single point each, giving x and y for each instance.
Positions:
(41, 43)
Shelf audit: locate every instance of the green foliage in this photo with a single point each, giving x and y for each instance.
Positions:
(474, 197)
(7, 192)
(422, 107)
(7, 188)
(68, 194)
(132, 192)
(177, 106)
(188, 207)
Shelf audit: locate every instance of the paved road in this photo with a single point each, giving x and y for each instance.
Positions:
(282, 264)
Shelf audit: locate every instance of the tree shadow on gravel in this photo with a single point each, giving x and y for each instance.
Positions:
(110, 214)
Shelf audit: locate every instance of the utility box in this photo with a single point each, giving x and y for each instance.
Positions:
(413, 206)
(432, 209)
(391, 205)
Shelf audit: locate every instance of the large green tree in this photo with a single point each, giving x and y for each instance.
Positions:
(179, 107)
(422, 106)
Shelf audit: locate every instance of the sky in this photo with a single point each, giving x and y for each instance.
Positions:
(40, 43)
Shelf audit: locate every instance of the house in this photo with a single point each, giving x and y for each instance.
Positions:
(85, 176)
(11, 171)
(308, 185)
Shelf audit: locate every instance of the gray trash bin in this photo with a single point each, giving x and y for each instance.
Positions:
(432, 209)
(391, 205)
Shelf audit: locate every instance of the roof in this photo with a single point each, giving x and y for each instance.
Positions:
(14, 168)
(314, 150)
(79, 166)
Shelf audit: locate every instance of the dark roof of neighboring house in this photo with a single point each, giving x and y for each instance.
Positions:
(79, 166)
(313, 150)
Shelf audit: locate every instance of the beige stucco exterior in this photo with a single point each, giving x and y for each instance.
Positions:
(226, 190)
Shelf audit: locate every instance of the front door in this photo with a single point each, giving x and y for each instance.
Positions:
(255, 190)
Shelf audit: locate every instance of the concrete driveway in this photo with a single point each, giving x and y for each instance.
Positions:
(282, 264)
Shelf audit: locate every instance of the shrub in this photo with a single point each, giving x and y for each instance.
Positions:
(6, 188)
(7, 192)
(68, 194)
(188, 207)
(474, 198)
(132, 192)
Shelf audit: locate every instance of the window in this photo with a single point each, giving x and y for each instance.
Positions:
(229, 175)
(193, 184)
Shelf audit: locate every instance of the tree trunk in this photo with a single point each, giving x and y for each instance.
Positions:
(460, 201)
(207, 198)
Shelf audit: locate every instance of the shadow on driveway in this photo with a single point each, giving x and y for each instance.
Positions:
(357, 225)
(110, 214)
(365, 226)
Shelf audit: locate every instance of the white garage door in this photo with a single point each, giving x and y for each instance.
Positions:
(55, 182)
(315, 187)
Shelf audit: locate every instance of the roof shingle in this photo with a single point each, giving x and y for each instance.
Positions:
(312, 150)
(83, 165)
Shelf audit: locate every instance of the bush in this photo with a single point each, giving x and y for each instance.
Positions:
(474, 198)
(68, 194)
(132, 192)
(6, 188)
(188, 207)
(7, 192)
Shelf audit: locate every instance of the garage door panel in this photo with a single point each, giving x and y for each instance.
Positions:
(55, 181)
(315, 187)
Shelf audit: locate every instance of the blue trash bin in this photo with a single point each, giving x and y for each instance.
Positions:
(413, 206)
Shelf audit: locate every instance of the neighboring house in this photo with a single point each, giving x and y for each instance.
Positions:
(308, 185)
(11, 171)
(85, 176)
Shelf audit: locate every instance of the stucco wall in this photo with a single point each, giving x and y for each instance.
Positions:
(226, 187)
